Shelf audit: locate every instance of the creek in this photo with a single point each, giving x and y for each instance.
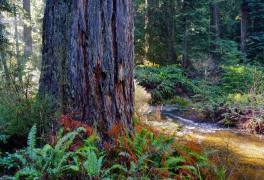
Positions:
(240, 153)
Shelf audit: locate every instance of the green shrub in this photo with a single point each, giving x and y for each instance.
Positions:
(163, 83)
(18, 115)
(239, 78)
(182, 102)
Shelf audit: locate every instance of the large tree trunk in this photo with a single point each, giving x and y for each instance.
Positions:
(27, 28)
(245, 19)
(215, 48)
(88, 60)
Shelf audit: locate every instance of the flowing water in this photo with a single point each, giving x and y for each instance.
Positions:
(239, 153)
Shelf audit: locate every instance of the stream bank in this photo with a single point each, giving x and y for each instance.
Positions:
(240, 153)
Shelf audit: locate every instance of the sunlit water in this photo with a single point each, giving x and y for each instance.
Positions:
(239, 153)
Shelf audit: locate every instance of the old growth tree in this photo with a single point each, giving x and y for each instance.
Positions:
(88, 58)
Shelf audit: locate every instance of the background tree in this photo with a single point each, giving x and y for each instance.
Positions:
(245, 20)
(27, 27)
(255, 40)
(88, 60)
(215, 29)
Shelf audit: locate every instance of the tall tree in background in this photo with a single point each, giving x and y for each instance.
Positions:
(255, 40)
(215, 48)
(185, 57)
(146, 24)
(245, 20)
(4, 43)
(88, 60)
(19, 68)
(27, 27)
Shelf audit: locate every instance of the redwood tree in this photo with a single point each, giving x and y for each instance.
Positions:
(88, 58)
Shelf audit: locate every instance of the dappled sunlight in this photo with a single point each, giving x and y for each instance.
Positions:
(242, 154)
(239, 153)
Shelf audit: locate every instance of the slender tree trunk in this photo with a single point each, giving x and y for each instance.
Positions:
(146, 36)
(185, 57)
(3, 58)
(245, 19)
(19, 68)
(27, 28)
(171, 8)
(215, 48)
(87, 61)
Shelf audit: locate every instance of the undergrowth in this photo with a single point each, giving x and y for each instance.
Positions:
(75, 151)
(231, 95)
(163, 83)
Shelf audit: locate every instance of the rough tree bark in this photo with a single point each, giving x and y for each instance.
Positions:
(215, 48)
(27, 28)
(88, 60)
(245, 19)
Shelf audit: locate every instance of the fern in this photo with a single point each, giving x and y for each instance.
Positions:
(116, 166)
(66, 140)
(31, 173)
(92, 165)
(174, 161)
(32, 141)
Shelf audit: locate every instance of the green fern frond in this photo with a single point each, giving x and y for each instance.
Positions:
(66, 140)
(32, 141)
(71, 167)
(90, 141)
(30, 173)
(20, 158)
(46, 149)
(174, 161)
(99, 165)
(116, 166)
(86, 148)
(141, 159)
(221, 173)
(63, 160)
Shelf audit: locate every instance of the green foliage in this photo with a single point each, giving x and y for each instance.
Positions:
(182, 102)
(18, 114)
(38, 162)
(238, 78)
(3, 138)
(145, 155)
(163, 83)
(255, 39)
(230, 55)
(8, 162)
